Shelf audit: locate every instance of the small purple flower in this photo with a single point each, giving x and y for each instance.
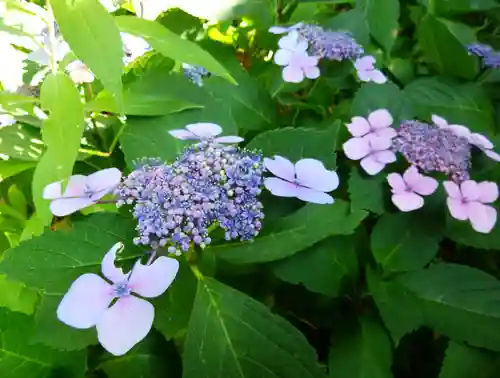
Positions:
(378, 124)
(490, 58)
(195, 73)
(374, 152)
(365, 67)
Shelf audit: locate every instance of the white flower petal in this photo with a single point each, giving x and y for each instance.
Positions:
(66, 206)
(312, 173)
(152, 280)
(108, 267)
(102, 182)
(280, 188)
(183, 134)
(282, 57)
(313, 196)
(204, 129)
(229, 139)
(293, 74)
(281, 167)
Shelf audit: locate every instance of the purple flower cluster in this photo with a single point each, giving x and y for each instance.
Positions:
(434, 149)
(195, 73)
(208, 184)
(490, 58)
(332, 45)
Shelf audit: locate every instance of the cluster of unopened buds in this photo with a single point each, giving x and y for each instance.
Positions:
(212, 183)
(437, 147)
(303, 46)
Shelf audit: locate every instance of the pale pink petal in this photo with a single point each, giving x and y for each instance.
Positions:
(293, 74)
(380, 119)
(102, 182)
(52, 191)
(313, 174)
(76, 186)
(407, 201)
(85, 302)
(356, 148)
(108, 268)
(81, 76)
(371, 165)
(358, 127)
(481, 141)
(453, 190)
(307, 61)
(364, 63)
(229, 139)
(380, 143)
(482, 217)
(125, 324)
(313, 196)
(470, 190)
(204, 129)
(278, 30)
(460, 130)
(385, 157)
(289, 41)
(378, 77)
(280, 188)
(281, 167)
(283, 57)
(183, 134)
(152, 280)
(439, 121)
(301, 46)
(365, 76)
(65, 206)
(397, 183)
(386, 133)
(488, 192)
(419, 183)
(311, 72)
(40, 56)
(492, 155)
(458, 209)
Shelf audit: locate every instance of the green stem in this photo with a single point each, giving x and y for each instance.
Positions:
(52, 39)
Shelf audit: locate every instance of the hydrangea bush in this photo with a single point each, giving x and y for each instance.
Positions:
(260, 188)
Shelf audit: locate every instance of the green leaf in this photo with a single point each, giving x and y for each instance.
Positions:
(63, 127)
(382, 18)
(232, 335)
(171, 45)
(353, 21)
(463, 6)
(462, 232)
(464, 294)
(94, 38)
(443, 49)
(371, 96)
(314, 143)
(398, 308)
(463, 104)
(405, 241)
(12, 167)
(16, 296)
(173, 308)
(367, 192)
(21, 142)
(19, 358)
(298, 231)
(60, 257)
(461, 361)
(323, 268)
(364, 352)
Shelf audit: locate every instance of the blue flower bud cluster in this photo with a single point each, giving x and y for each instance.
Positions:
(332, 45)
(195, 73)
(434, 149)
(208, 185)
(490, 58)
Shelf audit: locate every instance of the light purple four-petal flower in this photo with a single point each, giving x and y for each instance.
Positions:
(203, 130)
(365, 67)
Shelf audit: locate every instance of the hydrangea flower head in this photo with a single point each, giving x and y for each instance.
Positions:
(378, 124)
(293, 55)
(434, 149)
(204, 131)
(365, 67)
(408, 189)
(374, 152)
(477, 140)
(468, 201)
(121, 325)
(208, 184)
(308, 179)
(81, 191)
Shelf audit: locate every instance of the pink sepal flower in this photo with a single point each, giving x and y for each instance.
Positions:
(374, 152)
(365, 68)
(308, 179)
(469, 202)
(378, 124)
(204, 130)
(408, 189)
(128, 321)
(81, 191)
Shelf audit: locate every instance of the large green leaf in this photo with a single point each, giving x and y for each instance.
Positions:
(371, 96)
(232, 335)
(94, 38)
(21, 142)
(314, 143)
(362, 352)
(444, 49)
(62, 132)
(463, 104)
(323, 268)
(405, 241)
(12, 167)
(466, 295)
(298, 231)
(462, 6)
(367, 192)
(16, 296)
(353, 21)
(60, 257)
(171, 45)
(382, 18)
(461, 361)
